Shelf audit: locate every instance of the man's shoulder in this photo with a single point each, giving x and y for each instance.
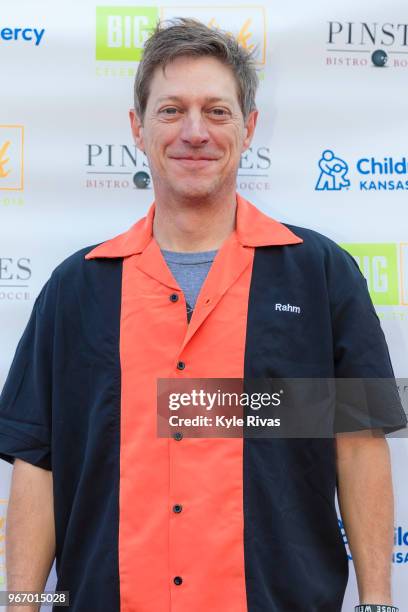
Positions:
(312, 239)
(73, 262)
(319, 252)
(75, 274)
(319, 245)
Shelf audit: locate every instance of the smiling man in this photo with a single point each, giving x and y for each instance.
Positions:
(193, 136)
(141, 523)
(193, 130)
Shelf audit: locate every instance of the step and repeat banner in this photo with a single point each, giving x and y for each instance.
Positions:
(330, 152)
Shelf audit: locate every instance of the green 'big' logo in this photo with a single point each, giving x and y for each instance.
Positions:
(121, 31)
(379, 264)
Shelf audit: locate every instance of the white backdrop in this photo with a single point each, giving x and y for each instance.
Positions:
(68, 164)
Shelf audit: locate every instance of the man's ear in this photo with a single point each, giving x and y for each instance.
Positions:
(249, 129)
(137, 129)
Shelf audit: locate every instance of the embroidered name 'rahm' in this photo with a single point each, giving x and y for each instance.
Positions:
(287, 308)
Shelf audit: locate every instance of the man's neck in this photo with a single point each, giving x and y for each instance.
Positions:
(193, 227)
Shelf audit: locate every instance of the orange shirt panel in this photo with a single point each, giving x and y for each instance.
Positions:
(202, 544)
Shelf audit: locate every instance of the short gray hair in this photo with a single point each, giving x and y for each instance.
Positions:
(189, 37)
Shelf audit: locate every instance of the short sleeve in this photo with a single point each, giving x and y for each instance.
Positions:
(367, 393)
(26, 399)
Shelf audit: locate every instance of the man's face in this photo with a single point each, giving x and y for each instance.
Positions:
(193, 131)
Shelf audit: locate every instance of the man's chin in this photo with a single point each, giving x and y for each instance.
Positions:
(192, 191)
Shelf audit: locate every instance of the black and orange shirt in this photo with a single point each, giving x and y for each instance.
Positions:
(177, 524)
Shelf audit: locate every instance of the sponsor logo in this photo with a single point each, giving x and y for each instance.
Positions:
(122, 166)
(11, 157)
(15, 276)
(333, 173)
(384, 266)
(361, 43)
(116, 166)
(400, 554)
(246, 24)
(253, 169)
(121, 31)
(32, 35)
(371, 173)
(11, 201)
(404, 273)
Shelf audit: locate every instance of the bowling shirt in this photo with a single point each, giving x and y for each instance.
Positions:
(151, 524)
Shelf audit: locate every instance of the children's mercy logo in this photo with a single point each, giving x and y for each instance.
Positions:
(400, 554)
(26, 34)
(333, 173)
(11, 157)
(374, 173)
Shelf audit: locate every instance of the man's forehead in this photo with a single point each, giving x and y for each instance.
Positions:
(179, 72)
(206, 99)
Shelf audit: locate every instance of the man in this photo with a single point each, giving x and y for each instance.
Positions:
(149, 524)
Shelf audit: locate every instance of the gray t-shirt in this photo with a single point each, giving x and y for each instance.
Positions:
(190, 271)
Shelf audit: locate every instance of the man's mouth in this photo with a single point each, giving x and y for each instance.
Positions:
(194, 162)
(189, 158)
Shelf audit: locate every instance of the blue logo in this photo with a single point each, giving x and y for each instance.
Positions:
(374, 174)
(333, 173)
(400, 555)
(27, 34)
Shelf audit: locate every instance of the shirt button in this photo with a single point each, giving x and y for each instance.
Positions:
(177, 508)
(181, 365)
(173, 297)
(177, 580)
(178, 435)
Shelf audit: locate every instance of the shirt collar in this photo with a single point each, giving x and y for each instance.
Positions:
(253, 229)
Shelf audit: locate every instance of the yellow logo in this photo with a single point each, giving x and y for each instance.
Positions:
(247, 24)
(243, 36)
(404, 273)
(11, 157)
(4, 160)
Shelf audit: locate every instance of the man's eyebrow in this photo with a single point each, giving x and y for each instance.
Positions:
(207, 99)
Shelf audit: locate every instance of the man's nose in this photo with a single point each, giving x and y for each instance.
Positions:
(194, 129)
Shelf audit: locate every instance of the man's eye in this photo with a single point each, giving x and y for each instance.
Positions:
(220, 112)
(170, 110)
